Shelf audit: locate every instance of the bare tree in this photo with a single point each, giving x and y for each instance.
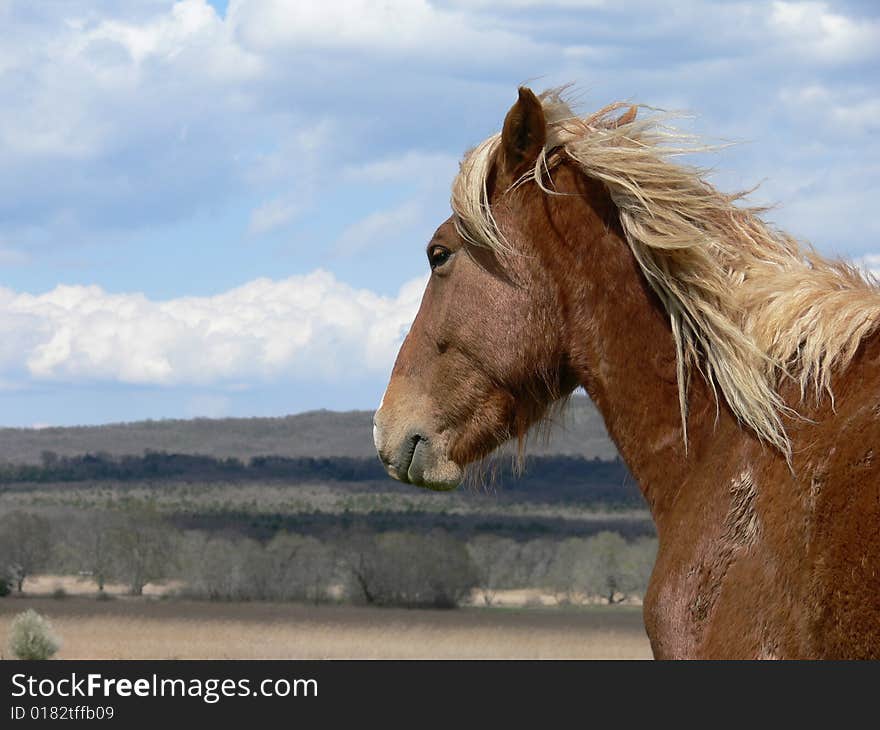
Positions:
(408, 569)
(616, 569)
(536, 561)
(638, 562)
(143, 548)
(91, 543)
(304, 567)
(495, 561)
(565, 574)
(25, 544)
(359, 556)
(215, 567)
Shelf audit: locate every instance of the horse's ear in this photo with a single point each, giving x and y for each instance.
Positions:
(523, 134)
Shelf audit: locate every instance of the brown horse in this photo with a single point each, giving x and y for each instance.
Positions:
(736, 370)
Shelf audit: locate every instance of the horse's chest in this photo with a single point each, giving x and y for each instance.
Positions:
(669, 613)
(698, 603)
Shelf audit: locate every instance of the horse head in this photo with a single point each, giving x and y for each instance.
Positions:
(484, 358)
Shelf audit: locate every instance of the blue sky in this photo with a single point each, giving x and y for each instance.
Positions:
(212, 209)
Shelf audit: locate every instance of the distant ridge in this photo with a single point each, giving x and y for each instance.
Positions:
(579, 432)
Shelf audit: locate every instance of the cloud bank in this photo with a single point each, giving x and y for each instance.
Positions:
(311, 327)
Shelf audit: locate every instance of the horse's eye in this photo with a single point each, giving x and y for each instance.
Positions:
(438, 255)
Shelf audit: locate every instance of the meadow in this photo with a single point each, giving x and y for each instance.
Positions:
(149, 628)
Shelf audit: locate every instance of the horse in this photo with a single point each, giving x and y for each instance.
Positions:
(737, 371)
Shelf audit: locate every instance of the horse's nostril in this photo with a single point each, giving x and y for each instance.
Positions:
(409, 450)
(412, 442)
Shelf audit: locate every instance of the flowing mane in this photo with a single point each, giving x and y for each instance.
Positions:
(748, 305)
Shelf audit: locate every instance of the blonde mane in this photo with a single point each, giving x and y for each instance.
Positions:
(748, 304)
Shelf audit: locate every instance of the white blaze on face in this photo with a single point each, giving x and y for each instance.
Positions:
(376, 433)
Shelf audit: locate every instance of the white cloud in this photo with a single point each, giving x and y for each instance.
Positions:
(391, 26)
(818, 32)
(11, 256)
(870, 263)
(580, 4)
(300, 149)
(79, 72)
(805, 95)
(274, 214)
(430, 173)
(374, 228)
(190, 26)
(852, 108)
(294, 163)
(415, 165)
(861, 116)
(311, 327)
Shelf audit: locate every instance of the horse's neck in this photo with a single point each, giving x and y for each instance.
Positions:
(624, 355)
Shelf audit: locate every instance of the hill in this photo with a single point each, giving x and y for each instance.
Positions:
(577, 432)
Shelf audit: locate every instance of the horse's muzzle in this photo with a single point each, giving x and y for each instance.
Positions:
(414, 456)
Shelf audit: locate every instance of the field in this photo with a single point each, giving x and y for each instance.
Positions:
(160, 629)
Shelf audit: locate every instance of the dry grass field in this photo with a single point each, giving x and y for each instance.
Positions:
(148, 628)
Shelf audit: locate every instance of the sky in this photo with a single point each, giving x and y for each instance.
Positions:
(216, 209)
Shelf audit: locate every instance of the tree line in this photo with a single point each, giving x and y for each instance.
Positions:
(547, 478)
(157, 465)
(137, 547)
